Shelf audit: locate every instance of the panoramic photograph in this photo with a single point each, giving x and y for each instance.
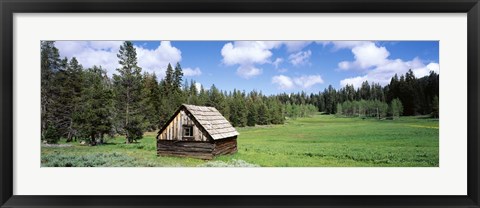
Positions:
(315, 103)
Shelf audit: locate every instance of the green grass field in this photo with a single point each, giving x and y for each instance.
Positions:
(318, 141)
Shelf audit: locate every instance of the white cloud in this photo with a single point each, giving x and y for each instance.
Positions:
(90, 53)
(300, 58)
(156, 60)
(425, 71)
(369, 55)
(104, 53)
(366, 54)
(192, 72)
(248, 54)
(308, 81)
(248, 71)
(286, 82)
(283, 82)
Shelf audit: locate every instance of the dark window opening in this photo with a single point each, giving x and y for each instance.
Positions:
(188, 131)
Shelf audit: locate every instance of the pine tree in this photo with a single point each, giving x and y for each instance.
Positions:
(61, 98)
(128, 88)
(94, 119)
(171, 94)
(238, 110)
(193, 94)
(216, 99)
(177, 77)
(202, 96)
(72, 91)
(409, 93)
(50, 64)
(151, 101)
(263, 116)
(435, 109)
(252, 113)
(179, 97)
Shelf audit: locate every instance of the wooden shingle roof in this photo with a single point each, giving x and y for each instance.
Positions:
(212, 121)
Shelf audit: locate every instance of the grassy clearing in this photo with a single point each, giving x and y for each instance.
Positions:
(319, 141)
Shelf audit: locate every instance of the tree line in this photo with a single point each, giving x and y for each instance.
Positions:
(405, 95)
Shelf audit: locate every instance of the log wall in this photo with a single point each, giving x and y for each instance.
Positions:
(196, 149)
(202, 150)
(225, 146)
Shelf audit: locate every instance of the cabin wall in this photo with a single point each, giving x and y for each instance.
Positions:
(225, 146)
(174, 130)
(201, 150)
(196, 149)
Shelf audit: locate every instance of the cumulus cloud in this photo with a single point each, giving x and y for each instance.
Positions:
(283, 82)
(90, 53)
(248, 71)
(248, 54)
(156, 60)
(300, 58)
(373, 61)
(189, 72)
(366, 55)
(304, 82)
(308, 81)
(104, 53)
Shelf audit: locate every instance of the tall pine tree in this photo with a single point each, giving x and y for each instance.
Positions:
(128, 91)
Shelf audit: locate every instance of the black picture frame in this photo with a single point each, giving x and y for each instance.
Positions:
(10, 7)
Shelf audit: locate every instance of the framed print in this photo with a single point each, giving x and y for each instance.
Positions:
(245, 104)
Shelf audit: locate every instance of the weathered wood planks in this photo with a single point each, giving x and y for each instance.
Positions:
(174, 130)
(196, 149)
(225, 146)
(202, 150)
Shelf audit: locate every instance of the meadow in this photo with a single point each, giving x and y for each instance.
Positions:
(317, 141)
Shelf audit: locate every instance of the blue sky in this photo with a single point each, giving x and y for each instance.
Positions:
(269, 66)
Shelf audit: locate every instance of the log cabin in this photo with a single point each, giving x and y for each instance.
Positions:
(198, 132)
